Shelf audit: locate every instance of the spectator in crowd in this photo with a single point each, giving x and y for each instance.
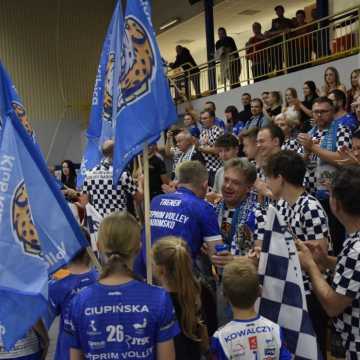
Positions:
(354, 91)
(258, 118)
(305, 217)
(274, 104)
(279, 26)
(245, 114)
(292, 102)
(310, 94)
(210, 105)
(340, 299)
(265, 98)
(186, 145)
(228, 148)
(288, 123)
(98, 185)
(171, 149)
(230, 62)
(256, 53)
(338, 98)
(242, 287)
(68, 175)
(193, 301)
(62, 291)
(184, 213)
(321, 150)
(300, 45)
(208, 136)
(236, 209)
(157, 171)
(119, 242)
(248, 139)
(191, 124)
(331, 82)
(185, 60)
(233, 124)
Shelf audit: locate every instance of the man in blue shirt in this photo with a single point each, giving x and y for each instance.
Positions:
(210, 105)
(184, 213)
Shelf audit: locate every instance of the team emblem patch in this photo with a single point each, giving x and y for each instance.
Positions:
(138, 62)
(21, 114)
(23, 225)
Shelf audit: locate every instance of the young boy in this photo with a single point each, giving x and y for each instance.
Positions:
(248, 335)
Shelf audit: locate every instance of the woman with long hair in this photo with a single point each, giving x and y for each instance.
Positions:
(120, 314)
(331, 81)
(173, 267)
(233, 123)
(355, 89)
(68, 174)
(310, 94)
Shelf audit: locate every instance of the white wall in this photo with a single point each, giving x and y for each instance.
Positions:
(280, 83)
(52, 49)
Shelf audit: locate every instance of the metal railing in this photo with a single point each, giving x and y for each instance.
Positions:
(321, 41)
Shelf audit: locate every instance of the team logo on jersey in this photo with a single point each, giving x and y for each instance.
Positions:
(253, 342)
(108, 93)
(22, 221)
(138, 62)
(21, 114)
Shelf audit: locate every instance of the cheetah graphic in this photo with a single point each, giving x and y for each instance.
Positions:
(23, 224)
(138, 62)
(21, 114)
(108, 95)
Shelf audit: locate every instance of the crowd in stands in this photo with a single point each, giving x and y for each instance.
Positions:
(208, 215)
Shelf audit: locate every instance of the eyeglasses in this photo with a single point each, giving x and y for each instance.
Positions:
(320, 112)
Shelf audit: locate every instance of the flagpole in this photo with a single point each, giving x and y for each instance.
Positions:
(147, 214)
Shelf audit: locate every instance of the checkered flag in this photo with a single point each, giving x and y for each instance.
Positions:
(283, 297)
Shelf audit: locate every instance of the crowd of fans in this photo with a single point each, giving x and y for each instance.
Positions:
(208, 215)
(299, 40)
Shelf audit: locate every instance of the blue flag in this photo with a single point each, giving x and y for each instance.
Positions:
(101, 117)
(144, 105)
(283, 299)
(38, 233)
(10, 100)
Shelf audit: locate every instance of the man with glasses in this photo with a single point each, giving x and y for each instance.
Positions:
(321, 149)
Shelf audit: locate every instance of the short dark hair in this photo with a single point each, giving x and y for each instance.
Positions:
(302, 12)
(322, 100)
(227, 141)
(265, 92)
(346, 188)
(212, 103)
(246, 94)
(279, 7)
(249, 133)
(258, 100)
(290, 165)
(339, 96)
(222, 28)
(210, 112)
(275, 132)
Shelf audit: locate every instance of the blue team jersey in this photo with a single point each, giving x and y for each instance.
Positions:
(184, 214)
(239, 126)
(61, 292)
(257, 338)
(121, 321)
(220, 123)
(350, 121)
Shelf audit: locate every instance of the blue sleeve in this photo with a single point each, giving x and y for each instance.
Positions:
(54, 308)
(209, 224)
(168, 326)
(284, 352)
(72, 325)
(216, 350)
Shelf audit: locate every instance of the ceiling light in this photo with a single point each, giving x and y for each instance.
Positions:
(169, 24)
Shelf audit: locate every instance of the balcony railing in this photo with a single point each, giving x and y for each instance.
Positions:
(321, 41)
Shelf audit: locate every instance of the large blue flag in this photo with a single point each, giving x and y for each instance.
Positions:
(10, 100)
(144, 105)
(101, 117)
(38, 233)
(283, 297)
